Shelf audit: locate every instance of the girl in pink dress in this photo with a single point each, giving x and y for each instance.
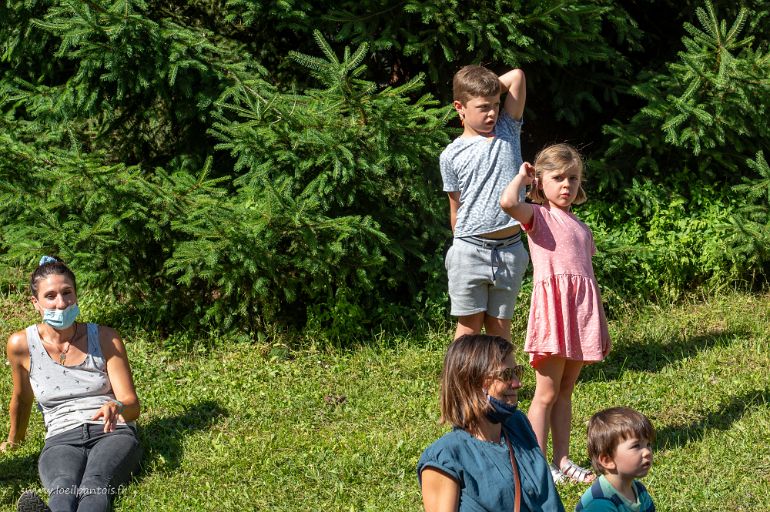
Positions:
(567, 327)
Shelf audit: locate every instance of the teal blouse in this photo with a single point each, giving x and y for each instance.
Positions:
(483, 469)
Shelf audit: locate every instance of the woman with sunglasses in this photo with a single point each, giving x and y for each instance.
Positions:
(490, 460)
(80, 376)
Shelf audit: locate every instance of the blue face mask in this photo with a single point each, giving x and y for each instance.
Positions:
(61, 318)
(501, 411)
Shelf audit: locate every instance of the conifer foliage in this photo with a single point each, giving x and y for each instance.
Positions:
(246, 165)
(331, 209)
(682, 172)
(550, 38)
(713, 97)
(326, 220)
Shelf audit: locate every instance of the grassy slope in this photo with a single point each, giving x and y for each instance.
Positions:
(247, 427)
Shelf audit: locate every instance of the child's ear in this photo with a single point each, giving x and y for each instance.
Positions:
(607, 462)
(459, 107)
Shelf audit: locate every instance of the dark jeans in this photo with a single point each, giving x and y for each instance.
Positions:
(83, 468)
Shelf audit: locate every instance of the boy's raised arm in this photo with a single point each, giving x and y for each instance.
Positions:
(515, 84)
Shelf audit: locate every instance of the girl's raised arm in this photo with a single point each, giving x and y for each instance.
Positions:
(509, 200)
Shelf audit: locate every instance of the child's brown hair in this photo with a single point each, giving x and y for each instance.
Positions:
(557, 157)
(474, 81)
(610, 427)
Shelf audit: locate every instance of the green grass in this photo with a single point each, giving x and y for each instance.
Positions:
(244, 426)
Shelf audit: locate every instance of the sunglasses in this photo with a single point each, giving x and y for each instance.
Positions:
(507, 374)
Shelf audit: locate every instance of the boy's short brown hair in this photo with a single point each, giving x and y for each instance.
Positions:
(610, 427)
(474, 82)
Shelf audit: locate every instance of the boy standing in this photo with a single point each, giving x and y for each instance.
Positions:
(487, 260)
(619, 446)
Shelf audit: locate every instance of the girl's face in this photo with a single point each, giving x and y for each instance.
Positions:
(560, 187)
(54, 292)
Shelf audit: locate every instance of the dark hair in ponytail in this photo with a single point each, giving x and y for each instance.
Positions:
(49, 265)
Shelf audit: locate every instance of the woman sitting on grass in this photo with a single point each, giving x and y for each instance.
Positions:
(80, 376)
(490, 460)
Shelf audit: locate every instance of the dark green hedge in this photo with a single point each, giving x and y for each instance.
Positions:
(251, 165)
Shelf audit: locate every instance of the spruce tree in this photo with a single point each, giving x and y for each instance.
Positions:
(220, 164)
(667, 174)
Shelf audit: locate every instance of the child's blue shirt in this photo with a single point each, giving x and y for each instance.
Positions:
(602, 497)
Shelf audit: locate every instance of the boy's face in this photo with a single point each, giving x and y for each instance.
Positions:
(632, 458)
(479, 114)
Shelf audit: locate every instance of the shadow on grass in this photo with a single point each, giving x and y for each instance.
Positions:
(722, 419)
(17, 474)
(654, 355)
(162, 438)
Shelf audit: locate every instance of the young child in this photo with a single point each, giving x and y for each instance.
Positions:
(487, 260)
(567, 327)
(619, 446)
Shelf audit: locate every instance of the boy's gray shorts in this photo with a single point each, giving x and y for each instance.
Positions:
(485, 275)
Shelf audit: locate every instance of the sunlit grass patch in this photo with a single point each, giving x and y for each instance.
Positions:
(243, 426)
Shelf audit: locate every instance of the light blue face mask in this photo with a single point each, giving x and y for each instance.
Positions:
(61, 318)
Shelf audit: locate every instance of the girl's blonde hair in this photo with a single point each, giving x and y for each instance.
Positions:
(558, 157)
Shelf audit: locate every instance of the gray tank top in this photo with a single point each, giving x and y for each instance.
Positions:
(68, 396)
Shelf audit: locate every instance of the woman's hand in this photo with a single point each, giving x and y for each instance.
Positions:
(110, 411)
(119, 373)
(7, 446)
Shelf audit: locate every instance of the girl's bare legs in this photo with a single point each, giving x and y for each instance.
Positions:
(561, 412)
(548, 377)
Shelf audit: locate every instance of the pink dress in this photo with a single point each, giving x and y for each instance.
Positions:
(566, 317)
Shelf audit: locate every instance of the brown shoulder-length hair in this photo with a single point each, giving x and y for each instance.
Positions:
(557, 157)
(469, 360)
(474, 81)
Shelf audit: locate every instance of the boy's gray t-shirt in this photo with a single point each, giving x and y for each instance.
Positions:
(480, 168)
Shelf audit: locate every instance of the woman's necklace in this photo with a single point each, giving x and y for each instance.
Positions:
(67, 345)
